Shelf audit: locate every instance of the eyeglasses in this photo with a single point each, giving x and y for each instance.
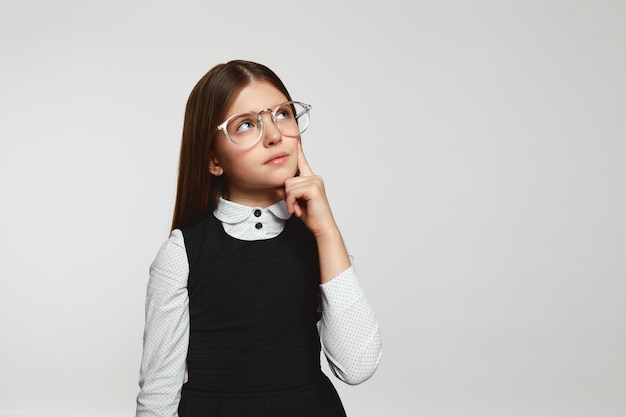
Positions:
(246, 128)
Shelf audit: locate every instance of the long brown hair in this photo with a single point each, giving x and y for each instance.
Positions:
(198, 191)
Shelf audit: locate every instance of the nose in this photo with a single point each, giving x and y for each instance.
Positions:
(271, 134)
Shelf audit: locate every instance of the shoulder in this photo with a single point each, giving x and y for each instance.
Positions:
(175, 243)
(198, 235)
(170, 266)
(199, 231)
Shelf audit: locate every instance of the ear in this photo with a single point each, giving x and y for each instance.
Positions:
(214, 166)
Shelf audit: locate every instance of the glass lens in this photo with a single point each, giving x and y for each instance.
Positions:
(292, 118)
(244, 128)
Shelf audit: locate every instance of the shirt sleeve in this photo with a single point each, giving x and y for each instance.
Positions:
(166, 333)
(349, 329)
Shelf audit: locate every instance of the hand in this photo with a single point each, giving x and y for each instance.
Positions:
(305, 196)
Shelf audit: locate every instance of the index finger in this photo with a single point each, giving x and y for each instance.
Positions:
(303, 165)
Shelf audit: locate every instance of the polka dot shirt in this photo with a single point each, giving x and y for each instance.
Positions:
(348, 328)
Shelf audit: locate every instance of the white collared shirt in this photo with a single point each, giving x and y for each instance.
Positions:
(348, 328)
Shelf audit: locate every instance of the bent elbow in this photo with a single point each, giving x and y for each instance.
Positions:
(359, 378)
(357, 373)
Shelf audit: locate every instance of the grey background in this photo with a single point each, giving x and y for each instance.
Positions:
(473, 153)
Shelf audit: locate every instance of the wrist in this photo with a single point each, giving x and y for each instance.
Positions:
(328, 234)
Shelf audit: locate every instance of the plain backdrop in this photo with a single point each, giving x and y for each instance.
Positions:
(474, 153)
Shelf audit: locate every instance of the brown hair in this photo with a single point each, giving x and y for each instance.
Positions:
(198, 191)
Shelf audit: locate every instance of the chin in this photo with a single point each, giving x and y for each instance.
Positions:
(280, 178)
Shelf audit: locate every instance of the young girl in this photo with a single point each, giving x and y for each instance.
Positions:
(255, 271)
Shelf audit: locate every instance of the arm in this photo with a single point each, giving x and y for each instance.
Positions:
(305, 195)
(349, 329)
(166, 334)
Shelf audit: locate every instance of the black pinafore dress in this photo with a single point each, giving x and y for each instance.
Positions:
(254, 349)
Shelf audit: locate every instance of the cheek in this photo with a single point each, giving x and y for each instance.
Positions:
(234, 166)
(295, 169)
(229, 158)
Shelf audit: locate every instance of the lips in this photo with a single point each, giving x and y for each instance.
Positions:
(277, 158)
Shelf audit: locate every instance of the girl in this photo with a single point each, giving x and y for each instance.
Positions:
(255, 271)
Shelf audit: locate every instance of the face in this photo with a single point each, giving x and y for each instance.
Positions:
(254, 173)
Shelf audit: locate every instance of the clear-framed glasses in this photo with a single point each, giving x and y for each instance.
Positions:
(246, 128)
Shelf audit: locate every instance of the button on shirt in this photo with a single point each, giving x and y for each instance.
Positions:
(348, 328)
(251, 223)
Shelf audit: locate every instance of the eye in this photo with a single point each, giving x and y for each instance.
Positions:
(284, 113)
(242, 123)
(244, 126)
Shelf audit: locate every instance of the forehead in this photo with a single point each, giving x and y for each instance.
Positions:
(256, 96)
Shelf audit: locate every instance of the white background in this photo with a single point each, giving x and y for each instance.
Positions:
(474, 154)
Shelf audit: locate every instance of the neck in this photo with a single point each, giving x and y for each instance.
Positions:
(254, 200)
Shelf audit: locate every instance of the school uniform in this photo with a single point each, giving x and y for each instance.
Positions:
(237, 299)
